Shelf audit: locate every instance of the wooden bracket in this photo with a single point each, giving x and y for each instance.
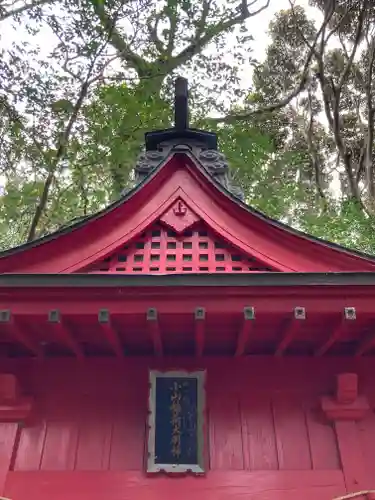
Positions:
(293, 327)
(13, 406)
(8, 322)
(200, 329)
(347, 320)
(61, 331)
(105, 322)
(347, 404)
(246, 327)
(153, 323)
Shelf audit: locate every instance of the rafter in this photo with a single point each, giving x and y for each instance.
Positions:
(154, 327)
(110, 332)
(366, 344)
(293, 327)
(63, 334)
(200, 330)
(9, 324)
(348, 317)
(246, 327)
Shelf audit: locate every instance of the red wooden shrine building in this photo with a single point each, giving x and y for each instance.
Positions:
(180, 344)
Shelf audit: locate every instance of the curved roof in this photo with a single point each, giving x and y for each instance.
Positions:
(181, 178)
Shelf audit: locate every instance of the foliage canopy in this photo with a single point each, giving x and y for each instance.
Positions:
(299, 136)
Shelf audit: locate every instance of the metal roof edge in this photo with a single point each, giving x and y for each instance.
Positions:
(187, 280)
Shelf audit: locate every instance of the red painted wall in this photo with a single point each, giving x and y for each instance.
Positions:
(266, 434)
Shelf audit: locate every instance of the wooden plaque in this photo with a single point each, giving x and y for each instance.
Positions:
(176, 422)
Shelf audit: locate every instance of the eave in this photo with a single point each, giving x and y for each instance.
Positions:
(277, 314)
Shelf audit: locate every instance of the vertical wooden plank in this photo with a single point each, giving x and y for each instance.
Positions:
(258, 433)
(94, 438)
(61, 439)
(60, 445)
(30, 448)
(366, 434)
(8, 440)
(352, 459)
(322, 438)
(291, 432)
(128, 435)
(225, 432)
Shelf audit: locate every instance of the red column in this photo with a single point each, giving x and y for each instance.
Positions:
(345, 409)
(13, 410)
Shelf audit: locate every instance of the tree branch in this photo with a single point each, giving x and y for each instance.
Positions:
(59, 154)
(334, 30)
(15, 117)
(335, 103)
(153, 32)
(109, 25)
(330, 9)
(23, 8)
(264, 109)
(357, 38)
(331, 101)
(370, 122)
(292, 95)
(200, 41)
(309, 134)
(172, 16)
(203, 20)
(361, 162)
(64, 139)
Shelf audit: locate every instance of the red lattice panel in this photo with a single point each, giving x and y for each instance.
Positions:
(162, 251)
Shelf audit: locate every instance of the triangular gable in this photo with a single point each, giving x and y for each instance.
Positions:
(163, 250)
(181, 184)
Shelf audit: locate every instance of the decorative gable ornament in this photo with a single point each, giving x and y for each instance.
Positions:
(179, 217)
(213, 161)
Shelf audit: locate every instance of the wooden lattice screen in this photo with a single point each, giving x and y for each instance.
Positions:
(160, 250)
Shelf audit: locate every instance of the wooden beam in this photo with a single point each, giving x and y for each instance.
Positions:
(152, 319)
(348, 317)
(292, 329)
(217, 302)
(246, 327)
(62, 332)
(110, 333)
(10, 325)
(200, 330)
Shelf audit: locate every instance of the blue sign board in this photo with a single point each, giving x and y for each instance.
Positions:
(176, 420)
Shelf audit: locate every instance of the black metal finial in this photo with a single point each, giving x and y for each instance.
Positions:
(181, 110)
(181, 133)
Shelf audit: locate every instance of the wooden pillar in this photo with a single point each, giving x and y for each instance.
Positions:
(14, 409)
(345, 409)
